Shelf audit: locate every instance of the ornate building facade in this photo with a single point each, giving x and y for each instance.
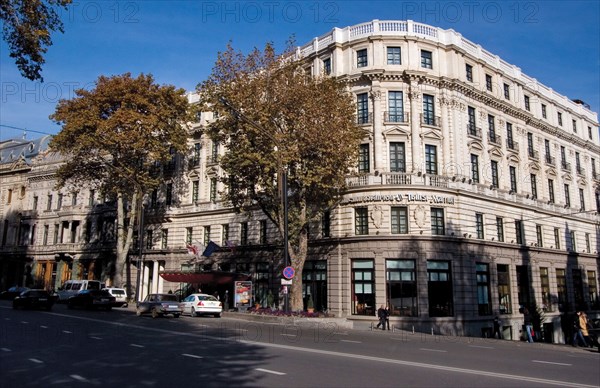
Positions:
(476, 192)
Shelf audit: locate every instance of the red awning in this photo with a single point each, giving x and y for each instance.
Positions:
(205, 277)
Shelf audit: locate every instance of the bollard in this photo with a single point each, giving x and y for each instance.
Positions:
(413, 329)
(371, 326)
(432, 331)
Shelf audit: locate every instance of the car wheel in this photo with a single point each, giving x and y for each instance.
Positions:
(154, 313)
(218, 315)
(176, 315)
(138, 312)
(193, 312)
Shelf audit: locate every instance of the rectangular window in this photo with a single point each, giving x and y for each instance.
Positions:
(399, 219)
(361, 58)
(59, 201)
(475, 168)
(488, 82)
(530, 148)
(196, 157)
(512, 171)
(561, 289)
(9, 197)
(363, 158)
(471, 125)
(263, 231)
(438, 227)
(545, 286)
(396, 107)
(544, 115)
(507, 91)
(363, 287)
(588, 246)
(361, 221)
(567, 196)
(593, 163)
(556, 238)
(402, 287)
(578, 163)
(195, 191)
(169, 194)
(539, 235)
(164, 239)
(426, 59)
(519, 232)
(393, 56)
(206, 235)
(479, 225)
(582, 199)
(559, 116)
(574, 126)
(35, 202)
(494, 168)
(326, 224)
(439, 289)
(484, 300)
(527, 107)
(504, 295)
(431, 159)
(225, 234)
(149, 239)
(189, 233)
(362, 108)
(428, 110)
(214, 155)
(55, 236)
(244, 233)
(590, 133)
(492, 128)
(213, 190)
(46, 233)
(397, 157)
(327, 66)
(469, 72)
(551, 190)
(534, 192)
(500, 228)
(509, 137)
(573, 240)
(593, 290)
(548, 153)
(92, 198)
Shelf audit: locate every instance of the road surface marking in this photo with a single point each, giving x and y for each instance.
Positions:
(78, 378)
(270, 371)
(353, 342)
(553, 363)
(289, 335)
(96, 338)
(43, 327)
(67, 332)
(25, 322)
(36, 360)
(5, 349)
(136, 345)
(434, 350)
(191, 355)
(481, 347)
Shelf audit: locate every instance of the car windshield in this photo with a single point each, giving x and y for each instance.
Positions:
(35, 293)
(207, 297)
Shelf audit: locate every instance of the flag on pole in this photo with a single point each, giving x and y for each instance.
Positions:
(192, 249)
(231, 245)
(210, 249)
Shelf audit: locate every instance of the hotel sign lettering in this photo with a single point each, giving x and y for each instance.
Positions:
(402, 198)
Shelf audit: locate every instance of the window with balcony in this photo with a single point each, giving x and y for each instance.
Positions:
(431, 159)
(361, 58)
(438, 226)
(396, 107)
(393, 56)
(363, 158)
(397, 157)
(475, 168)
(426, 59)
(399, 219)
(361, 221)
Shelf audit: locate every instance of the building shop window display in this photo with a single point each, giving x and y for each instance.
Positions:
(484, 301)
(261, 284)
(363, 287)
(401, 287)
(439, 287)
(504, 297)
(314, 283)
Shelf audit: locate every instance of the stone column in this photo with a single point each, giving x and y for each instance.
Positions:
(377, 135)
(415, 127)
(155, 276)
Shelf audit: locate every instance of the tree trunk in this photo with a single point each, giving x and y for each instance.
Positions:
(124, 235)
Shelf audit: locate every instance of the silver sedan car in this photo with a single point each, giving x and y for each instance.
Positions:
(202, 304)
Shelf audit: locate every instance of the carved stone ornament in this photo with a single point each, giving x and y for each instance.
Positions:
(377, 216)
(419, 215)
(376, 95)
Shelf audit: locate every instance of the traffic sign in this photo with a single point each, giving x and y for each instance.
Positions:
(288, 272)
(286, 282)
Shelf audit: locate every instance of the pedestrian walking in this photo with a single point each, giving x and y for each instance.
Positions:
(580, 329)
(497, 325)
(381, 317)
(527, 323)
(386, 318)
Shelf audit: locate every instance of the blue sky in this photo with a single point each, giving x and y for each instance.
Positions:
(556, 42)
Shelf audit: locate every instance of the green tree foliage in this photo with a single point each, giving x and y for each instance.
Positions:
(113, 138)
(272, 115)
(27, 25)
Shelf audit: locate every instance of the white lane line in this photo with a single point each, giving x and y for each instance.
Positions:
(191, 355)
(96, 338)
(289, 335)
(270, 371)
(434, 350)
(5, 349)
(79, 378)
(481, 347)
(67, 332)
(25, 322)
(136, 345)
(43, 327)
(352, 342)
(36, 360)
(7, 319)
(552, 363)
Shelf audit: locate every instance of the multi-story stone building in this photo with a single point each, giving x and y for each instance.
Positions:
(476, 192)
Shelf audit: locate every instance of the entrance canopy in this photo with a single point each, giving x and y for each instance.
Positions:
(204, 277)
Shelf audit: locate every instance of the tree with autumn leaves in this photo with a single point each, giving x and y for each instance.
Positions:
(113, 137)
(273, 116)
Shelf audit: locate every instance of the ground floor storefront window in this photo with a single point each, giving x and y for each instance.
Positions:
(363, 287)
(314, 283)
(439, 287)
(401, 287)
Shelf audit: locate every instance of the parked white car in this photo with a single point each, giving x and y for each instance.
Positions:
(202, 304)
(120, 296)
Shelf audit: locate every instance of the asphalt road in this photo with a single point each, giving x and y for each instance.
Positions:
(79, 348)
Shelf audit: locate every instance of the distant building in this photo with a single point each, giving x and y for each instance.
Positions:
(476, 192)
